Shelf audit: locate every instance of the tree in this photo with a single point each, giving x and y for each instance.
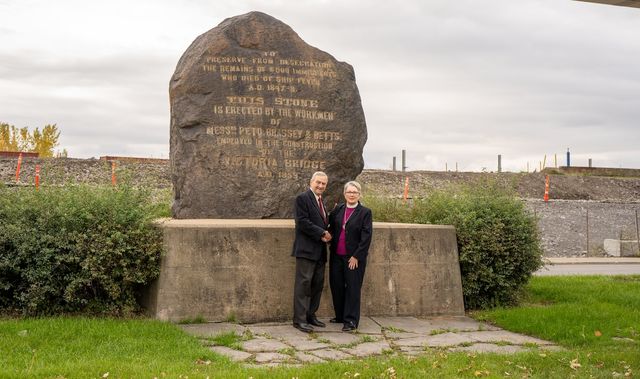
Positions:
(19, 139)
(12, 138)
(43, 143)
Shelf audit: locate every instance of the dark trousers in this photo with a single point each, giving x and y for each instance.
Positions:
(308, 289)
(345, 288)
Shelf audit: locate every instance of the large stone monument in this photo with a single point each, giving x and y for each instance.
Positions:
(254, 112)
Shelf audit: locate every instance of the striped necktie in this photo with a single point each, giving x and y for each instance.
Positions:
(322, 213)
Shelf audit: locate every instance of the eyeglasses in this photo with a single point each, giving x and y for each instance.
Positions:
(352, 193)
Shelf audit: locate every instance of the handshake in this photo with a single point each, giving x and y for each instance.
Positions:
(326, 237)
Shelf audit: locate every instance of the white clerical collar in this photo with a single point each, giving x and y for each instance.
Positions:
(352, 206)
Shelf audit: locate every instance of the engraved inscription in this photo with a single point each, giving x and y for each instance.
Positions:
(268, 73)
(270, 95)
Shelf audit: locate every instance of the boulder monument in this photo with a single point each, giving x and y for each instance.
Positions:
(255, 111)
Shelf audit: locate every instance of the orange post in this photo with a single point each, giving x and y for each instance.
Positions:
(113, 173)
(546, 188)
(405, 195)
(37, 177)
(18, 168)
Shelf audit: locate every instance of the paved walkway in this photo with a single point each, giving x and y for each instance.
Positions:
(593, 260)
(276, 344)
(590, 266)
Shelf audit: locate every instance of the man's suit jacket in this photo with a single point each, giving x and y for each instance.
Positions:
(357, 231)
(310, 227)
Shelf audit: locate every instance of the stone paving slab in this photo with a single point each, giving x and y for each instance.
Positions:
(420, 341)
(234, 355)
(368, 326)
(369, 348)
(447, 339)
(280, 344)
(400, 335)
(331, 354)
(276, 331)
(308, 358)
(263, 345)
(330, 328)
(272, 357)
(404, 324)
(341, 338)
(305, 344)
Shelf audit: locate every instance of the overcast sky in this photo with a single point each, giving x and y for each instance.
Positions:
(447, 80)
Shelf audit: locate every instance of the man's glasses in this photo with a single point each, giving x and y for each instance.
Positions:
(352, 193)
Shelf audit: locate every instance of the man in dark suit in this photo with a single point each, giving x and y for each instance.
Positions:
(310, 250)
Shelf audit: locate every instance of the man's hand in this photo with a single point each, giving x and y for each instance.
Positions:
(326, 237)
(353, 263)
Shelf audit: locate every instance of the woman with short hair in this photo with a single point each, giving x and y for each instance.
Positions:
(351, 229)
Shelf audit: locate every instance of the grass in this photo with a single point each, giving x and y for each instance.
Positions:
(596, 320)
(367, 338)
(596, 309)
(232, 318)
(288, 351)
(393, 329)
(86, 347)
(229, 339)
(195, 320)
(435, 332)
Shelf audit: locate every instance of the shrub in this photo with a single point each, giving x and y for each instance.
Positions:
(498, 239)
(77, 248)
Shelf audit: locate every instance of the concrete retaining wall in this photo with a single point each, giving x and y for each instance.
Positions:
(220, 269)
(580, 228)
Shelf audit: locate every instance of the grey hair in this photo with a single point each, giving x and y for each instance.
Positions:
(353, 183)
(318, 173)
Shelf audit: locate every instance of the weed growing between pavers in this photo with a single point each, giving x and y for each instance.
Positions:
(228, 339)
(195, 320)
(393, 329)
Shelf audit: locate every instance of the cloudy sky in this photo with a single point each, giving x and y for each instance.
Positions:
(450, 81)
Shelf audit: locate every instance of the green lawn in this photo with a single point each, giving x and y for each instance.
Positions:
(597, 320)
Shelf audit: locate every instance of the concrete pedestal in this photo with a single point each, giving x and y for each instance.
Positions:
(242, 269)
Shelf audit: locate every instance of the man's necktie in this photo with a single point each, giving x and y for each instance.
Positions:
(324, 215)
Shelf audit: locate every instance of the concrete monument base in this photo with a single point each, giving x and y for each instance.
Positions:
(242, 270)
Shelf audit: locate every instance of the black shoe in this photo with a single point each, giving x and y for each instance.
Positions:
(348, 327)
(315, 322)
(335, 321)
(303, 327)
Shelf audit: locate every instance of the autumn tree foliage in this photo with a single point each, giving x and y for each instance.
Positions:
(21, 139)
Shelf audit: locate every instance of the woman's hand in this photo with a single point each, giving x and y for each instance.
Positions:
(353, 263)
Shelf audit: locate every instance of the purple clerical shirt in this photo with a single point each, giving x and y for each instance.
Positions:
(342, 246)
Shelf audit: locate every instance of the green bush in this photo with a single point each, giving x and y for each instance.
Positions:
(77, 248)
(498, 239)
